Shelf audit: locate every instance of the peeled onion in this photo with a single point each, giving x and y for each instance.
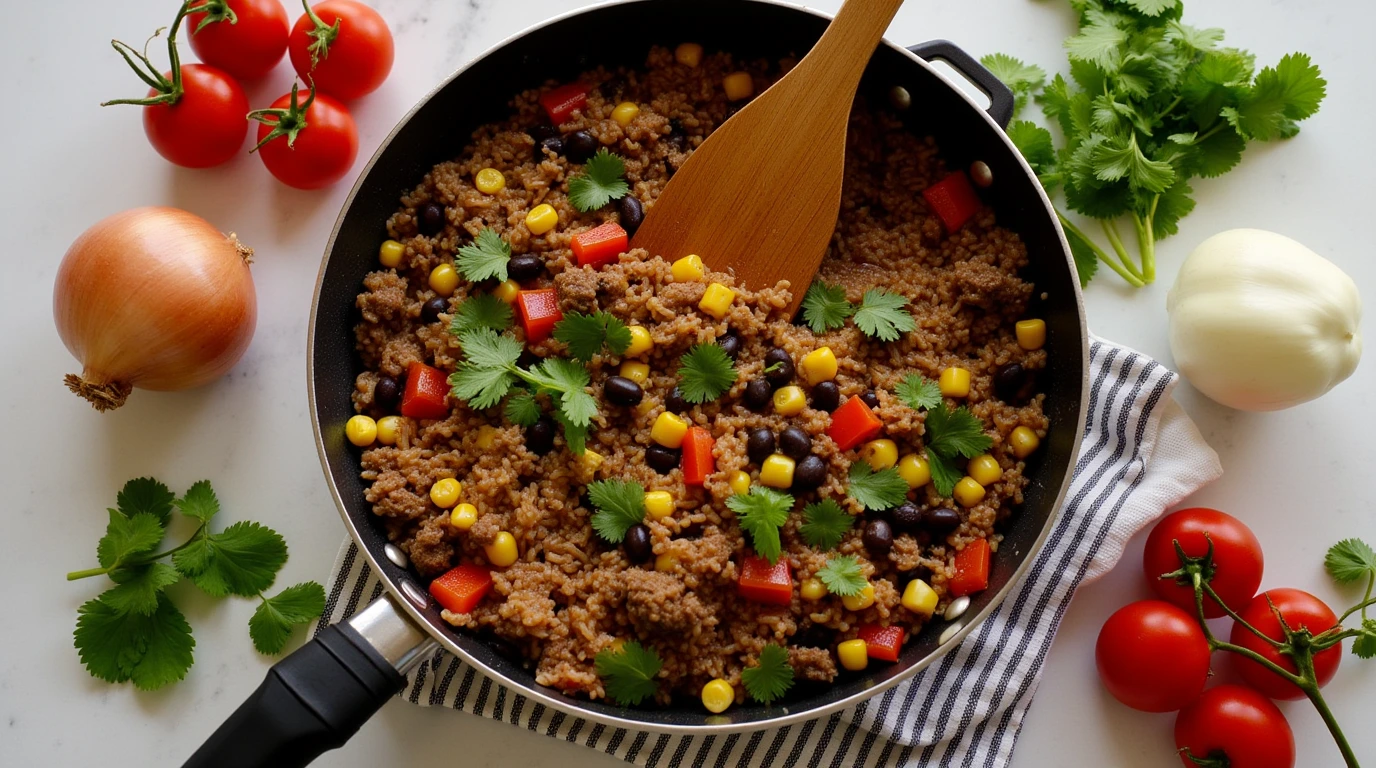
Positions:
(154, 298)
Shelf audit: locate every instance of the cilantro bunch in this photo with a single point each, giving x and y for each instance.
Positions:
(133, 631)
(1150, 104)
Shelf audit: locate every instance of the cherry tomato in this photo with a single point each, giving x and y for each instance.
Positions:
(1300, 609)
(1237, 558)
(206, 126)
(247, 48)
(1152, 656)
(323, 151)
(358, 59)
(1237, 723)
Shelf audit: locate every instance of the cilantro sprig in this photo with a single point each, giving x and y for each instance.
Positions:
(705, 373)
(628, 674)
(876, 490)
(620, 505)
(761, 513)
(485, 258)
(771, 677)
(843, 576)
(1348, 561)
(951, 434)
(880, 315)
(601, 182)
(918, 392)
(481, 311)
(133, 632)
(586, 334)
(825, 524)
(825, 307)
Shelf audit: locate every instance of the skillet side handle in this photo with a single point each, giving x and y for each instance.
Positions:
(1000, 98)
(318, 697)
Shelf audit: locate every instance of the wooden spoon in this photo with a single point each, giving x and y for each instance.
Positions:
(761, 195)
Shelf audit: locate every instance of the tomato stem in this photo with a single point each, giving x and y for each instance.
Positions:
(1213, 760)
(322, 35)
(1367, 600)
(169, 92)
(288, 122)
(215, 12)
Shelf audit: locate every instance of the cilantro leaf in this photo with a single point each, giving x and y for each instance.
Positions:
(199, 502)
(1118, 158)
(1022, 79)
(1282, 94)
(1350, 560)
(1191, 37)
(585, 334)
(1034, 142)
(620, 505)
(843, 576)
(567, 380)
(126, 536)
(918, 392)
(574, 435)
(771, 677)
(481, 311)
(705, 372)
(600, 183)
(1364, 645)
(522, 409)
(1097, 44)
(876, 490)
(882, 315)
(1170, 207)
(485, 258)
(629, 674)
(1151, 7)
(825, 524)
(117, 646)
(144, 494)
(761, 513)
(139, 587)
(243, 559)
(825, 307)
(945, 475)
(1086, 261)
(955, 432)
(271, 624)
(485, 375)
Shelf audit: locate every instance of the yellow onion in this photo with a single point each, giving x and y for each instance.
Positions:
(154, 298)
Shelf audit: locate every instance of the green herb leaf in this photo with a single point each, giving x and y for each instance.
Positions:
(883, 315)
(117, 646)
(139, 588)
(199, 502)
(146, 495)
(918, 392)
(771, 677)
(600, 183)
(1097, 44)
(957, 432)
(628, 675)
(567, 381)
(585, 334)
(1151, 7)
(127, 536)
(825, 307)
(272, 623)
(1191, 37)
(1350, 560)
(1118, 158)
(1034, 142)
(481, 311)
(1364, 645)
(843, 576)
(485, 375)
(243, 559)
(825, 524)
(945, 475)
(876, 490)
(485, 258)
(1022, 79)
(705, 373)
(576, 436)
(1086, 260)
(522, 409)
(620, 505)
(761, 513)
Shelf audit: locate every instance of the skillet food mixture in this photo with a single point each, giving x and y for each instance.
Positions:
(647, 479)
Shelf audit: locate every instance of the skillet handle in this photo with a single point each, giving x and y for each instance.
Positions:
(1000, 98)
(318, 697)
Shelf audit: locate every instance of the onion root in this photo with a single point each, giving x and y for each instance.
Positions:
(103, 397)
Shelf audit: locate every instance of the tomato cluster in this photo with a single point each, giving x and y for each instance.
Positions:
(1154, 656)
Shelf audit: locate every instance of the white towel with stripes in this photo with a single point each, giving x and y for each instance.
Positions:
(1141, 454)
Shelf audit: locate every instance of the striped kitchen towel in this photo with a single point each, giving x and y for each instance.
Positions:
(1141, 454)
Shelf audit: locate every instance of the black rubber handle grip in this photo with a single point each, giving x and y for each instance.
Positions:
(1000, 98)
(311, 702)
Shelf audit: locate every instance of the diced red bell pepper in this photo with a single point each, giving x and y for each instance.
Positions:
(539, 312)
(953, 199)
(697, 456)
(600, 245)
(426, 392)
(461, 588)
(853, 423)
(765, 583)
(972, 569)
(883, 643)
(562, 101)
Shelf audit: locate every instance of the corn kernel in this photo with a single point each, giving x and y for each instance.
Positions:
(689, 54)
(591, 459)
(854, 654)
(777, 471)
(645, 407)
(861, 601)
(1024, 442)
(659, 504)
(668, 430)
(391, 253)
(738, 85)
(718, 696)
(444, 279)
(487, 436)
(812, 589)
(502, 551)
(920, 598)
(625, 112)
(716, 300)
(1031, 333)
(641, 342)
(445, 493)
(666, 563)
(818, 366)
(361, 430)
(637, 372)
(389, 430)
(617, 645)
(880, 454)
(954, 382)
(489, 181)
(507, 291)
(541, 219)
(968, 492)
(790, 400)
(688, 268)
(739, 482)
(914, 470)
(984, 469)
(464, 516)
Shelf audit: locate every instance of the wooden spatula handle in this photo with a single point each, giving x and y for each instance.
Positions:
(858, 26)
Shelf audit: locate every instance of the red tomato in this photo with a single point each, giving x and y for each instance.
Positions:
(1236, 723)
(247, 48)
(206, 126)
(1300, 609)
(324, 150)
(1237, 558)
(1152, 656)
(358, 59)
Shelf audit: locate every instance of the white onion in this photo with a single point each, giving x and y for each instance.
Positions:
(154, 298)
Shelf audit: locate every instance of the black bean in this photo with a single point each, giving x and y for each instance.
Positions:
(871, 399)
(906, 517)
(757, 394)
(759, 444)
(554, 144)
(630, 212)
(540, 436)
(525, 266)
(676, 127)
(782, 366)
(541, 132)
(815, 636)
(386, 392)
(794, 442)
(639, 546)
(678, 141)
(878, 536)
(431, 219)
(580, 145)
(661, 459)
(1008, 381)
(809, 473)
(430, 310)
(730, 343)
(941, 520)
(826, 396)
(675, 402)
(612, 87)
(620, 390)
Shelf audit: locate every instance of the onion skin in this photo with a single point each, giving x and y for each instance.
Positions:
(153, 298)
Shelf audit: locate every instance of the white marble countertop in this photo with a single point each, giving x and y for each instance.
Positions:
(1297, 477)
